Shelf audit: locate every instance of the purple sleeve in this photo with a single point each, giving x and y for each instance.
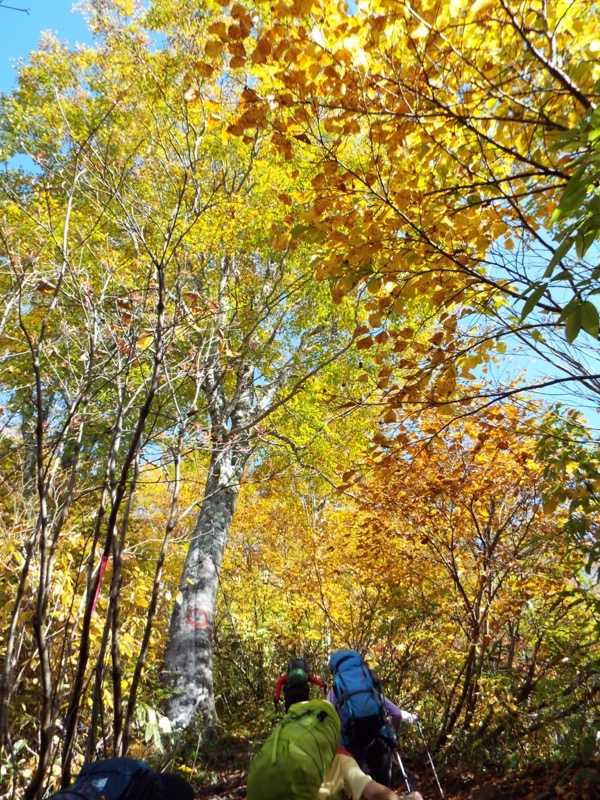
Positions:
(392, 709)
(394, 712)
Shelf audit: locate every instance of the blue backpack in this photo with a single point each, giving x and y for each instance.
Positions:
(360, 700)
(125, 779)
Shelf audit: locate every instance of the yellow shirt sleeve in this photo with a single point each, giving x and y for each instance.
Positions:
(345, 775)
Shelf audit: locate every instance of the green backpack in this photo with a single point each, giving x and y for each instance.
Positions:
(293, 761)
(298, 672)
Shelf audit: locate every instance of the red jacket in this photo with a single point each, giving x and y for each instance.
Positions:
(283, 679)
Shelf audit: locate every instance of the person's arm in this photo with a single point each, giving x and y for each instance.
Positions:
(331, 698)
(344, 774)
(317, 681)
(377, 791)
(397, 715)
(278, 686)
(394, 713)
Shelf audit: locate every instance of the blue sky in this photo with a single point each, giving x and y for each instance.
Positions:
(20, 32)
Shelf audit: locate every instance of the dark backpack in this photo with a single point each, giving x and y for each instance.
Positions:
(360, 699)
(84, 792)
(298, 672)
(125, 779)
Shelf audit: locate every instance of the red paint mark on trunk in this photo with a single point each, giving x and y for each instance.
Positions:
(197, 617)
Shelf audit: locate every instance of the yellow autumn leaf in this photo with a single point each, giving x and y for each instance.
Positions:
(364, 343)
(550, 505)
(213, 48)
(145, 340)
(204, 69)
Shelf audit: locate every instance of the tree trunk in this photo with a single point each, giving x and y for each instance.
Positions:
(188, 658)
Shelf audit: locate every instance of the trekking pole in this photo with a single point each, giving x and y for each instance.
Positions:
(437, 780)
(402, 770)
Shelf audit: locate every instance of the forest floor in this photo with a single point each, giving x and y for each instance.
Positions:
(555, 783)
(549, 782)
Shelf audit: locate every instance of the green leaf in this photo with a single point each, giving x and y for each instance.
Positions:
(314, 235)
(570, 203)
(590, 321)
(298, 230)
(560, 252)
(569, 140)
(573, 303)
(573, 325)
(595, 117)
(564, 275)
(574, 193)
(585, 239)
(573, 186)
(533, 299)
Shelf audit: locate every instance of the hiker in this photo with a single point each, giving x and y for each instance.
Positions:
(369, 721)
(125, 779)
(295, 683)
(302, 760)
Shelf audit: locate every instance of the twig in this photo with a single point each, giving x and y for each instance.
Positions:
(14, 8)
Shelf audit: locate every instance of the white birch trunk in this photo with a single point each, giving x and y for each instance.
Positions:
(188, 659)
